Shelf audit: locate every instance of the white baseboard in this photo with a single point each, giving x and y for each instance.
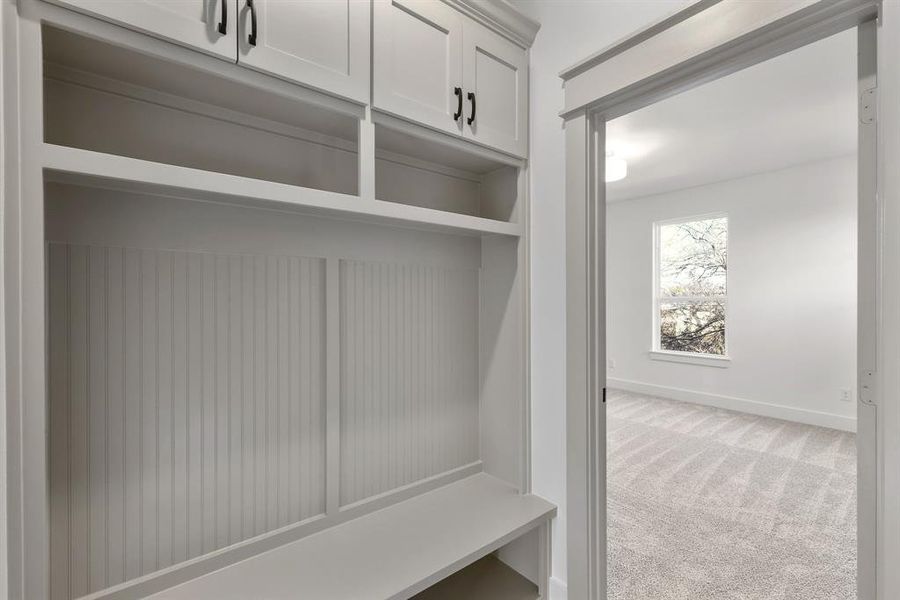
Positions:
(558, 589)
(753, 407)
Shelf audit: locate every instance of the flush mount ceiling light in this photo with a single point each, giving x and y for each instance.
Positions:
(616, 168)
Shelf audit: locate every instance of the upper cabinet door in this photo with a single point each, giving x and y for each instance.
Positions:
(496, 84)
(207, 25)
(418, 62)
(323, 44)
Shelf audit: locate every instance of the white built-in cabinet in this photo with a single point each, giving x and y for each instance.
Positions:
(258, 304)
(439, 67)
(206, 25)
(495, 79)
(417, 62)
(431, 64)
(323, 44)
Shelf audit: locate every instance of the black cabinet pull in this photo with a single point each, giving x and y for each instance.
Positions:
(471, 97)
(458, 113)
(251, 39)
(223, 24)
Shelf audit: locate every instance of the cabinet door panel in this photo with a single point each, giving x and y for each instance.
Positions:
(321, 43)
(193, 23)
(496, 72)
(418, 61)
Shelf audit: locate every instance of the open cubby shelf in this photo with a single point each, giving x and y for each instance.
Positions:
(96, 169)
(116, 103)
(486, 579)
(446, 175)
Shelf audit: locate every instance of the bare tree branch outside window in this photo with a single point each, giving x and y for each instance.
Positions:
(692, 269)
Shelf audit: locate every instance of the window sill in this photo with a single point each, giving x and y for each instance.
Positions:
(704, 360)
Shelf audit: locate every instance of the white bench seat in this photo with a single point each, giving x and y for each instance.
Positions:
(392, 553)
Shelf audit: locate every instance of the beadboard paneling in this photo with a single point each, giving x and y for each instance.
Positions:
(409, 374)
(187, 411)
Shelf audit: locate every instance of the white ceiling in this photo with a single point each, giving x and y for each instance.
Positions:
(794, 109)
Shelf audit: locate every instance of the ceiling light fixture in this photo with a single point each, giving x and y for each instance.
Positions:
(616, 168)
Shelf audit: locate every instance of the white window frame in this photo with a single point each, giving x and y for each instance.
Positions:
(656, 350)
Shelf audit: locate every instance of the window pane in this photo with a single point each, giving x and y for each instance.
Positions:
(692, 327)
(692, 258)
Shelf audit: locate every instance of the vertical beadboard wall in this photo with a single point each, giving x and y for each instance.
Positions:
(186, 406)
(188, 383)
(409, 374)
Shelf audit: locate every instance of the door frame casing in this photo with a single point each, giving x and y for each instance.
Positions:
(868, 317)
(585, 359)
(585, 256)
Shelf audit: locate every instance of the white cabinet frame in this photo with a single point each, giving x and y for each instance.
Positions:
(387, 93)
(221, 28)
(499, 103)
(512, 98)
(155, 18)
(670, 57)
(351, 80)
(24, 571)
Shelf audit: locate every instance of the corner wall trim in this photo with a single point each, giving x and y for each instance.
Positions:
(558, 590)
(753, 407)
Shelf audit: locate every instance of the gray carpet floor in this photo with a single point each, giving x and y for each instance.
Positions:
(705, 503)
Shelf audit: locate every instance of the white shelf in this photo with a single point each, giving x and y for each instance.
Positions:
(392, 554)
(485, 579)
(96, 169)
(398, 136)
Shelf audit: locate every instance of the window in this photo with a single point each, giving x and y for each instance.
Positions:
(691, 299)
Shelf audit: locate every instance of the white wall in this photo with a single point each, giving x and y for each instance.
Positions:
(791, 321)
(570, 31)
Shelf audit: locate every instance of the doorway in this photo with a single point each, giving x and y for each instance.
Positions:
(587, 297)
(731, 335)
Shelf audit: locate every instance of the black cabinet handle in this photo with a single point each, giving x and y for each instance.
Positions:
(471, 97)
(223, 24)
(251, 39)
(458, 113)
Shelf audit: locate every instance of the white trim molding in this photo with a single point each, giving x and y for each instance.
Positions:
(703, 360)
(674, 55)
(701, 43)
(744, 405)
(8, 185)
(558, 589)
(502, 17)
(585, 355)
(888, 375)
